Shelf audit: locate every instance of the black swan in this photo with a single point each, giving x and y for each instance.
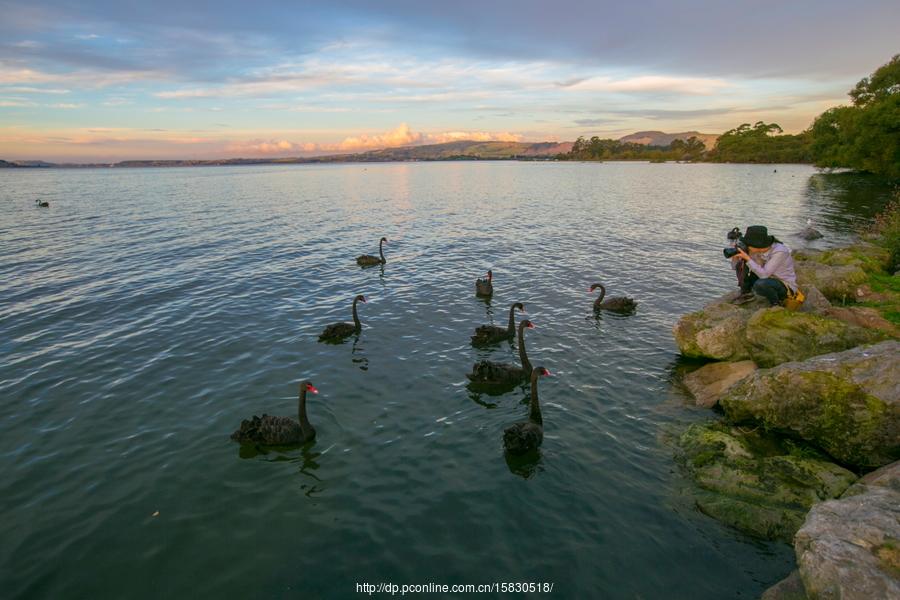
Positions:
(491, 334)
(42, 203)
(279, 431)
(336, 332)
(483, 287)
(616, 304)
(367, 260)
(527, 435)
(491, 374)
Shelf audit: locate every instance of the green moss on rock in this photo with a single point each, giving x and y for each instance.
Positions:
(845, 403)
(751, 481)
(779, 335)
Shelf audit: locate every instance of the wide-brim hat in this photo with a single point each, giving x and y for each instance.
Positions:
(758, 237)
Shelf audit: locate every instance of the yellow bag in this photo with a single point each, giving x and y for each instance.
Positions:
(794, 300)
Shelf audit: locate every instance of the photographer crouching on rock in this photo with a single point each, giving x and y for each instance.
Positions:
(764, 267)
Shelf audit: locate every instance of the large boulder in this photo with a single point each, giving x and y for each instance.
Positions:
(847, 403)
(837, 283)
(850, 548)
(871, 258)
(709, 382)
(716, 332)
(778, 335)
(755, 482)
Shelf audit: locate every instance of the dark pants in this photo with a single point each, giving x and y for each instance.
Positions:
(771, 289)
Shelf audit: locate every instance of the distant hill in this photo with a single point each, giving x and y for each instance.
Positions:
(659, 138)
(461, 150)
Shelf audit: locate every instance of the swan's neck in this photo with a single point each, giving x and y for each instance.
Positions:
(305, 425)
(511, 328)
(526, 365)
(602, 294)
(535, 414)
(356, 322)
(381, 249)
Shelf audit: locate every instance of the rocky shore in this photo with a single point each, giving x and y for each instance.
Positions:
(807, 447)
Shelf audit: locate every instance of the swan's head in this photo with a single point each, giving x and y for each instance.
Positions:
(309, 387)
(490, 274)
(519, 306)
(383, 240)
(360, 298)
(595, 286)
(528, 324)
(542, 372)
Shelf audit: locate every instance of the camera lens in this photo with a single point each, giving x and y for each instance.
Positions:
(729, 252)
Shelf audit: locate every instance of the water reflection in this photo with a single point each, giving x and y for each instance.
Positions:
(526, 465)
(844, 201)
(359, 359)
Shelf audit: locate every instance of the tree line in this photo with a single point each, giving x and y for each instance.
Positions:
(864, 136)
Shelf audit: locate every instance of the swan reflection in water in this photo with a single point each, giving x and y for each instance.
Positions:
(525, 466)
(359, 359)
(306, 460)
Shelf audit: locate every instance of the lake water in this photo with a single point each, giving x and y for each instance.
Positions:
(148, 311)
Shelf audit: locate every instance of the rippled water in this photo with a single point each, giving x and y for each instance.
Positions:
(146, 312)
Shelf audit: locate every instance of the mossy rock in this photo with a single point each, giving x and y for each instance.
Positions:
(778, 335)
(716, 332)
(849, 548)
(837, 283)
(869, 257)
(756, 482)
(846, 403)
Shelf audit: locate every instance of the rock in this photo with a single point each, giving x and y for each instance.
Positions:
(778, 335)
(850, 548)
(847, 403)
(810, 233)
(838, 283)
(716, 332)
(755, 482)
(863, 317)
(870, 258)
(815, 303)
(789, 588)
(709, 381)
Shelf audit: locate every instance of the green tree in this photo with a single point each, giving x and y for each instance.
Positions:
(865, 136)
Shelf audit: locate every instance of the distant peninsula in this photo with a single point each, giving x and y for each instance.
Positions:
(458, 150)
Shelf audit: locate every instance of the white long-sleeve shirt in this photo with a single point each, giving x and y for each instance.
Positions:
(775, 262)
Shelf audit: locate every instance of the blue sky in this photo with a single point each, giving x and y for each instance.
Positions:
(103, 81)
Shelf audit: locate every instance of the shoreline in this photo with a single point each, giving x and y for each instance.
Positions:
(807, 416)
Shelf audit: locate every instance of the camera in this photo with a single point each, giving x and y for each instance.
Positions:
(735, 236)
(732, 251)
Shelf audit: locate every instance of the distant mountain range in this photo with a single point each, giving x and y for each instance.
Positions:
(461, 150)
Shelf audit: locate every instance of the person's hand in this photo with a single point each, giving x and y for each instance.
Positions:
(742, 254)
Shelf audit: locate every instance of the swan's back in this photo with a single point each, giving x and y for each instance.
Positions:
(522, 437)
(337, 331)
(489, 372)
(269, 431)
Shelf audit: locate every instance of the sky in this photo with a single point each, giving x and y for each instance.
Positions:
(98, 81)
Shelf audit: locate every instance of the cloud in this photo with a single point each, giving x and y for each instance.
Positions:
(269, 147)
(652, 84)
(404, 136)
(401, 136)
